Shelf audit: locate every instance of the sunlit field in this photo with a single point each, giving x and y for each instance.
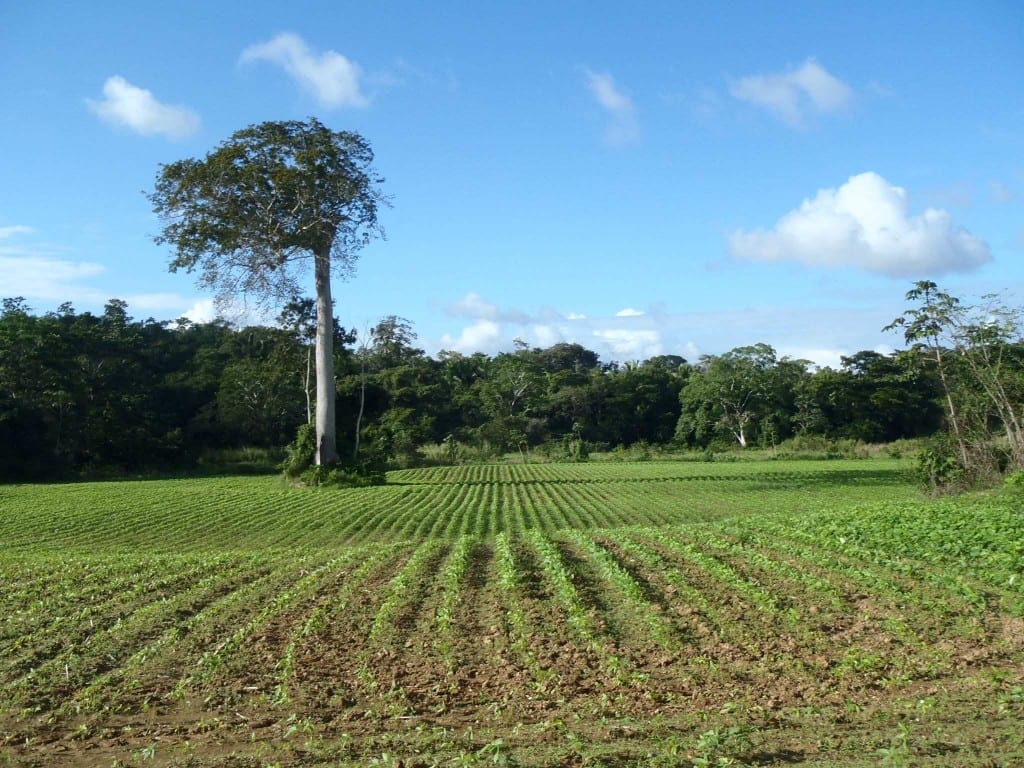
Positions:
(618, 614)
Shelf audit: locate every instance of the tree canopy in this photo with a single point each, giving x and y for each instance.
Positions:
(267, 201)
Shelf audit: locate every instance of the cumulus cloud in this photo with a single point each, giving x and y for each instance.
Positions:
(619, 107)
(44, 274)
(203, 311)
(330, 77)
(473, 307)
(160, 303)
(52, 280)
(794, 96)
(865, 224)
(547, 335)
(820, 334)
(482, 336)
(631, 344)
(629, 312)
(136, 108)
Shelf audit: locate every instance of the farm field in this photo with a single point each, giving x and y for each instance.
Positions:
(617, 614)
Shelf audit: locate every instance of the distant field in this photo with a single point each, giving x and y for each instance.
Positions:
(630, 614)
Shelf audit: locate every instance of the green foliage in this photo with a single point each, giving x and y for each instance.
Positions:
(107, 396)
(575, 446)
(713, 746)
(300, 452)
(256, 212)
(594, 595)
(269, 196)
(298, 466)
(976, 353)
(1015, 481)
(745, 397)
(897, 754)
(938, 466)
(342, 477)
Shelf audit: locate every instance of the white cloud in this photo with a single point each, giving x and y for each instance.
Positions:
(330, 77)
(819, 334)
(865, 224)
(575, 316)
(630, 312)
(47, 278)
(203, 311)
(136, 108)
(623, 126)
(793, 96)
(821, 358)
(155, 302)
(482, 336)
(17, 229)
(44, 275)
(826, 357)
(631, 344)
(474, 307)
(546, 335)
(51, 281)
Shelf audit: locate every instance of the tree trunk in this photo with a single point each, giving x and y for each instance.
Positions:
(953, 417)
(326, 429)
(308, 391)
(362, 402)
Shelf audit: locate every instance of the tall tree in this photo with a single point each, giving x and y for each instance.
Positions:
(728, 394)
(975, 349)
(256, 210)
(924, 327)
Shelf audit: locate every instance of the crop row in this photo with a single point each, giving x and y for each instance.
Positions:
(648, 471)
(622, 597)
(482, 501)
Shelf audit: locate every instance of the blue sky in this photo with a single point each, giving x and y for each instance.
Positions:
(671, 177)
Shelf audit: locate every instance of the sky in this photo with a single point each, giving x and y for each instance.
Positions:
(657, 178)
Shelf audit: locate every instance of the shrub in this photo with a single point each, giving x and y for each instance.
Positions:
(300, 452)
(1015, 480)
(338, 476)
(938, 466)
(298, 465)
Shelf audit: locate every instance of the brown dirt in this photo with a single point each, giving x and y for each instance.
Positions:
(826, 687)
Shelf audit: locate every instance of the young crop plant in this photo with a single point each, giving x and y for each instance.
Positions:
(329, 603)
(404, 589)
(578, 615)
(613, 572)
(561, 581)
(688, 599)
(212, 660)
(517, 625)
(452, 580)
(97, 638)
(104, 688)
(902, 581)
(803, 598)
(749, 590)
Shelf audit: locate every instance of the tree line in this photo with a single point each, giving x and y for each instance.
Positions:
(84, 393)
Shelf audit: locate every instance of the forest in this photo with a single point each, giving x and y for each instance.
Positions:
(87, 395)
